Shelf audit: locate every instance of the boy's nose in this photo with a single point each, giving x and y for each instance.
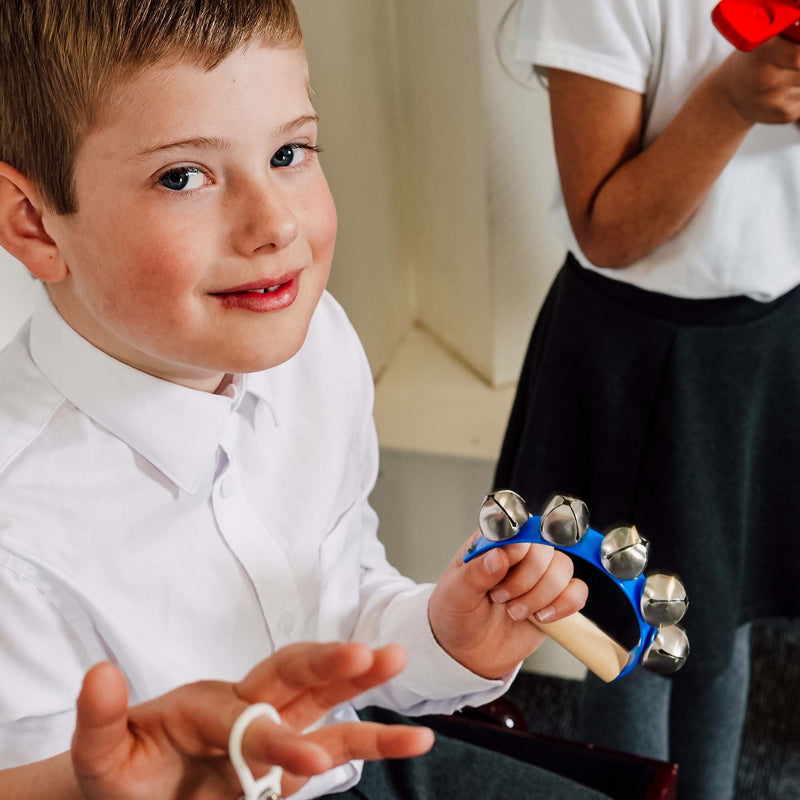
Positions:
(264, 219)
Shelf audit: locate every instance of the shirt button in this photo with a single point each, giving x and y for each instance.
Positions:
(286, 623)
(227, 488)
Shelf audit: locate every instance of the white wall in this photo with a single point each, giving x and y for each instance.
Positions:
(442, 169)
(351, 47)
(478, 149)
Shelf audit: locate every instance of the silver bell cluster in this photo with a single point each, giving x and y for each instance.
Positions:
(664, 602)
(624, 554)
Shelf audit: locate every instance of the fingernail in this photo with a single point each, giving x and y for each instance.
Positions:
(501, 596)
(545, 614)
(518, 611)
(492, 562)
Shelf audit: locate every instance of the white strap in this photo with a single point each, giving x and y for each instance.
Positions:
(269, 786)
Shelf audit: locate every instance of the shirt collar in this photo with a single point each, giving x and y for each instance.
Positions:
(260, 385)
(175, 428)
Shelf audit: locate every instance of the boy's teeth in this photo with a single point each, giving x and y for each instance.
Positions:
(267, 290)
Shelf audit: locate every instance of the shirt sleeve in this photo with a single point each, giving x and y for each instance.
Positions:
(394, 609)
(42, 663)
(611, 40)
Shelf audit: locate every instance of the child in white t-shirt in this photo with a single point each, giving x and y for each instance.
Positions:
(660, 385)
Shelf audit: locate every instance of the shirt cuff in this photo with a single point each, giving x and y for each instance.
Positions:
(431, 671)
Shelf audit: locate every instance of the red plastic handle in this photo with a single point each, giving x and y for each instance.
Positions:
(746, 24)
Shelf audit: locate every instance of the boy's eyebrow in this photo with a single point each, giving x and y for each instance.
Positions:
(216, 143)
(297, 123)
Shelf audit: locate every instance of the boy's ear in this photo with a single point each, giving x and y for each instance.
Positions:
(22, 231)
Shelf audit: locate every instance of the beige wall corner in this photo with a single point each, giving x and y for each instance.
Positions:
(351, 46)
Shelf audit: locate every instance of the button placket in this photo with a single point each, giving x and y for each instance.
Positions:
(286, 623)
(257, 550)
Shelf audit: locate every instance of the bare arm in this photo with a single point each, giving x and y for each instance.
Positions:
(624, 201)
(51, 778)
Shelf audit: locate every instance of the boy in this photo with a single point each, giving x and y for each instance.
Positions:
(186, 447)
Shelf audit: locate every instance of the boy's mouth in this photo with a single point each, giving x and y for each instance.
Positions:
(264, 286)
(269, 289)
(272, 295)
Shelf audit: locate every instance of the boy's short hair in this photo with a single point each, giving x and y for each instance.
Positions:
(61, 59)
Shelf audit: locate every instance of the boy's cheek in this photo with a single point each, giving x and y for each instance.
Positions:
(324, 220)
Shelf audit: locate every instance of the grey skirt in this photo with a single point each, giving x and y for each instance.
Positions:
(681, 417)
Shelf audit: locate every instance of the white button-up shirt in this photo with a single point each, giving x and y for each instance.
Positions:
(186, 536)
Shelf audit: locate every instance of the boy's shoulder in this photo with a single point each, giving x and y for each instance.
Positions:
(27, 399)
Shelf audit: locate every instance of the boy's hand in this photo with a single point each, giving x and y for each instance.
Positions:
(764, 84)
(176, 745)
(479, 611)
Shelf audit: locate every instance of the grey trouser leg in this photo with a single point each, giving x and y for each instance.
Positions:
(695, 722)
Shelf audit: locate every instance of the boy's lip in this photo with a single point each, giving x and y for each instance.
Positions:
(283, 291)
(259, 285)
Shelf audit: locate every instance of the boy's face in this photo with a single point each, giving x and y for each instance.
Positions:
(197, 192)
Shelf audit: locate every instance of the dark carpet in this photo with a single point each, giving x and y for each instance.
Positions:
(769, 766)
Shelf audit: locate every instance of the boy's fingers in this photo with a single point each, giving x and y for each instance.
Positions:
(388, 662)
(268, 743)
(550, 585)
(545, 591)
(571, 600)
(527, 573)
(483, 573)
(372, 741)
(101, 736)
(304, 756)
(297, 668)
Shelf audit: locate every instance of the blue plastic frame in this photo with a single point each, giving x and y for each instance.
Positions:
(588, 549)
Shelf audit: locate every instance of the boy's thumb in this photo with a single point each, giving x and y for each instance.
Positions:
(102, 720)
(483, 573)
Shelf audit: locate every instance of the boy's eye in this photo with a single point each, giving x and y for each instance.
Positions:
(181, 179)
(289, 155)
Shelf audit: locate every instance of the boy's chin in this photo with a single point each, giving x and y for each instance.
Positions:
(266, 359)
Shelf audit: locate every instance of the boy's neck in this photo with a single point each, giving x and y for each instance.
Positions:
(224, 383)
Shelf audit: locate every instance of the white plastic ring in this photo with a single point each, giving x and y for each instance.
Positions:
(268, 786)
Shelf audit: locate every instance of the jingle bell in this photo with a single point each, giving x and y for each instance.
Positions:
(565, 521)
(624, 552)
(664, 600)
(668, 652)
(502, 514)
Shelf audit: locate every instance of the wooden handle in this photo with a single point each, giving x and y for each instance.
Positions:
(591, 645)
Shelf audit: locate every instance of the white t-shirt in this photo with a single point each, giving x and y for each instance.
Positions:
(745, 237)
(186, 536)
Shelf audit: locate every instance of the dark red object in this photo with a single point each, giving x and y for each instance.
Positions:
(619, 775)
(746, 24)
